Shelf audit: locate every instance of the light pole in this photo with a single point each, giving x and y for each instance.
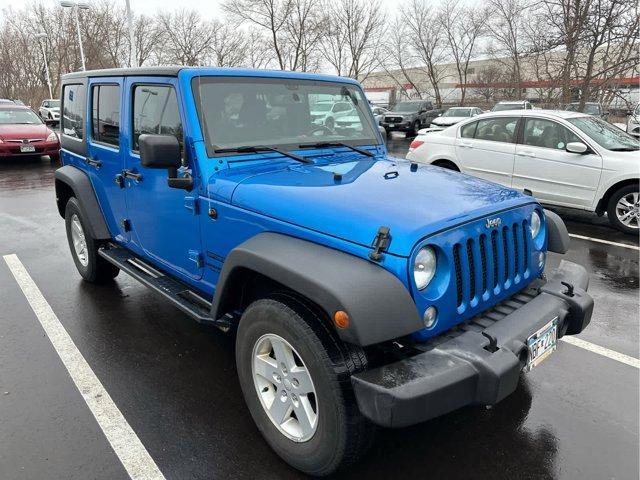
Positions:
(76, 5)
(133, 57)
(43, 36)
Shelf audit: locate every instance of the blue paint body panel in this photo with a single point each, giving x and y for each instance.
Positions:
(265, 192)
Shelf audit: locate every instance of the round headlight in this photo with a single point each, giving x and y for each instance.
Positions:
(430, 316)
(536, 222)
(424, 267)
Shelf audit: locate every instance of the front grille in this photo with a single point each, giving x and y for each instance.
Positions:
(482, 272)
(25, 141)
(393, 119)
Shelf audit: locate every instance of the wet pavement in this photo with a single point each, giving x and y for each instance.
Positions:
(575, 416)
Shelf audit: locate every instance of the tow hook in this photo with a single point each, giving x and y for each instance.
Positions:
(493, 342)
(569, 291)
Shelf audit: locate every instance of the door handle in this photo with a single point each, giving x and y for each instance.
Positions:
(132, 175)
(466, 145)
(94, 162)
(526, 154)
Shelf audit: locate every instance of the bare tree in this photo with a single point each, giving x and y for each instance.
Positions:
(228, 47)
(507, 33)
(399, 66)
(354, 35)
(425, 37)
(462, 26)
(185, 37)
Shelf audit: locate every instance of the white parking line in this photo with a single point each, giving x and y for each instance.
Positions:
(599, 240)
(612, 354)
(124, 441)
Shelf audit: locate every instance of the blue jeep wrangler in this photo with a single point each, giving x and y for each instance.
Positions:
(362, 289)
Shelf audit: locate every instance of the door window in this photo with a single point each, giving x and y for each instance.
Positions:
(469, 130)
(73, 111)
(547, 134)
(155, 111)
(497, 129)
(105, 114)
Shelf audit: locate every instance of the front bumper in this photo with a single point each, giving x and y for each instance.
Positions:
(10, 149)
(397, 127)
(461, 368)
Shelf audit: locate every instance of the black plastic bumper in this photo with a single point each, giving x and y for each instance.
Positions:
(464, 369)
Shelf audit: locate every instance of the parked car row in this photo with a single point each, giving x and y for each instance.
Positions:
(563, 158)
(24, 134)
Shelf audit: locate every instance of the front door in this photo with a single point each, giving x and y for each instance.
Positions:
(553, 175)
(486, 148)
(163, 220)
(105, 146)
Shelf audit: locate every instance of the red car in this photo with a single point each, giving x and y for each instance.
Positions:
(24, 134)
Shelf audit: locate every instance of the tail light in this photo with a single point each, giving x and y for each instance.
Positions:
(415, 144)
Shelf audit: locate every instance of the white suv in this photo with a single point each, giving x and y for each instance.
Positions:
(563, 158)
(50, 109)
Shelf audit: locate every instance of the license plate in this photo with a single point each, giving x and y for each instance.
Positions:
(27, 148)
(542, 344)
(392, 125)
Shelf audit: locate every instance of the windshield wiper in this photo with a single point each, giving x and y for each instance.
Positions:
(337, 144)
(624, 149)
(263, 148)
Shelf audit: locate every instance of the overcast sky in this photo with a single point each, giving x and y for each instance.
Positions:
(208, 8)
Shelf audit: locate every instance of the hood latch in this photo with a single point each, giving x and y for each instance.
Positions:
(380, 243)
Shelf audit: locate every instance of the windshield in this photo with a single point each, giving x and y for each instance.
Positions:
(499, 107)
(407, 107)
(54, 103)
(457, 112)
(605, 134)
(21, 117)
(589, 108)
(235, 112)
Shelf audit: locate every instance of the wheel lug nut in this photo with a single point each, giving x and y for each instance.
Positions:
(295, 382)
(294, 397)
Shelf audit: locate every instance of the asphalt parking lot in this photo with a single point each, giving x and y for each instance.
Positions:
(575, 416)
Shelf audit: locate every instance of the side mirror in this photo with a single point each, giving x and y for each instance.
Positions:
(163, 151)
(159, 151)
(576, 147)
(439, 114)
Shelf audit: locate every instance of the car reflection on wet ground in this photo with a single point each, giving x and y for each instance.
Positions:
(575, 416)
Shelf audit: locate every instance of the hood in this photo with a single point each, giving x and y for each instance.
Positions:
(371, 194)
(20, 132)
(448, 120)
(399, 114)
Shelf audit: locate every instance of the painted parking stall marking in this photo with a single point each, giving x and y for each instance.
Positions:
(134, 456)
(605, 352)
(607, 242)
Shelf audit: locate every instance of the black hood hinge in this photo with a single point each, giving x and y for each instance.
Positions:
(380, 243)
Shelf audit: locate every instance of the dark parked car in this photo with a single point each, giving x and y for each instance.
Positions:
(408, 117)
(590, 108)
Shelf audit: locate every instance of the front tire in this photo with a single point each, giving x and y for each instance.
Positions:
(623, 209)
(295, 377)
(84, 248)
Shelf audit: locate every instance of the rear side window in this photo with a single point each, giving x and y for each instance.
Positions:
(105, 114)
(155, 111)
(469, 130)
(497, 129)
(73, 111)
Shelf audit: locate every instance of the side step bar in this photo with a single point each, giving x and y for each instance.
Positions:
(178, 293)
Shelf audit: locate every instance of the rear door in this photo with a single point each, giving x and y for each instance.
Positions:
(104, 148)
(553, 175)
(486, 148)
(164, 220)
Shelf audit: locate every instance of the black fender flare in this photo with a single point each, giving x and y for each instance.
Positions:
(557, 234)
(378, 304)
(71, 178)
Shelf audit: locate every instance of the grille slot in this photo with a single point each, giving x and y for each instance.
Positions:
(472, 269)
(458, 268)
(505, 248)
(525, 245)
(483, 261)
(494, 247)
(516, 250)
